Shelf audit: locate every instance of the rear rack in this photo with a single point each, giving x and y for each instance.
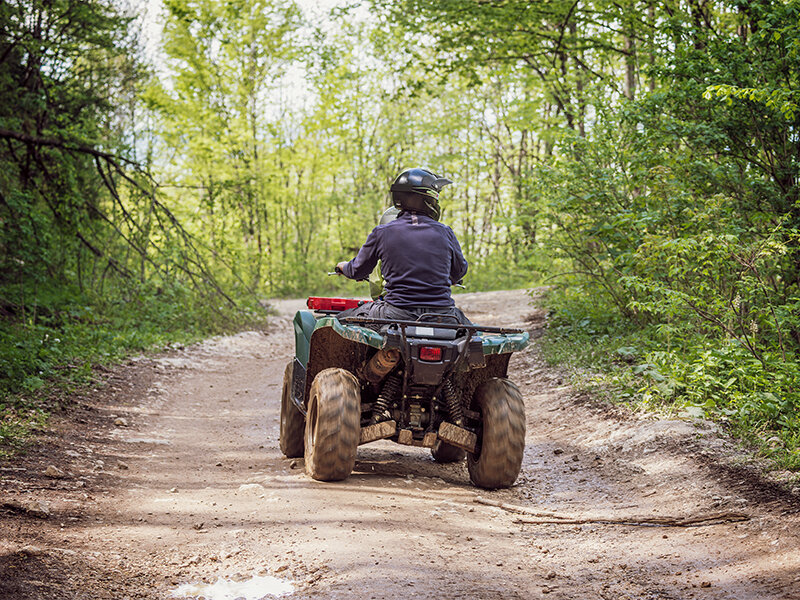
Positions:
(403, 324)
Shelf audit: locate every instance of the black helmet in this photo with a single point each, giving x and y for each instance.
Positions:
(418, 190)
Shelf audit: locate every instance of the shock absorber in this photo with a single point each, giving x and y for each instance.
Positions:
(452, 400)
(389, 391)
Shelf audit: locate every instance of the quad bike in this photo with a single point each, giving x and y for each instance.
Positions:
(433, 382)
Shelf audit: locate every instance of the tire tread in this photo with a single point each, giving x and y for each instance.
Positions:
(292, 428)
(337, 398)
(499, 459)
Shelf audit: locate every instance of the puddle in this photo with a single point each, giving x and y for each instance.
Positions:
(255, 588)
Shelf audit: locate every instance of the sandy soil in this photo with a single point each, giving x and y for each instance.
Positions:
(171, 475)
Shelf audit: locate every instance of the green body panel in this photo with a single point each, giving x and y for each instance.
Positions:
(305, 323)
(354, 333)
(503, 344)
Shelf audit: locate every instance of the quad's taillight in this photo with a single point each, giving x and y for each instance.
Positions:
(333, 304)
(430, 353)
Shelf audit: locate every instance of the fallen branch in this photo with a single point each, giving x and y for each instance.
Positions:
(516, 509)
(643, 521)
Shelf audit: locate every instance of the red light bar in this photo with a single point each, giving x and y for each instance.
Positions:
(430, 353)
(333, 304)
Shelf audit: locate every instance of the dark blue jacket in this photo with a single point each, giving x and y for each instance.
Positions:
(420, 259)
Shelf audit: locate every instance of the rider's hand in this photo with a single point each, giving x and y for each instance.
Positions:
(339, 268)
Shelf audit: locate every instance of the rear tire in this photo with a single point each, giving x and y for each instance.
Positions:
(333, 425)
(292, 420)
(445, 453)
(498, 459)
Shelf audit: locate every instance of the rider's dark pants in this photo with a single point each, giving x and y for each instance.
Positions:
(380, 309)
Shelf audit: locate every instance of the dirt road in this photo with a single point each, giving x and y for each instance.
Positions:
(171, 478)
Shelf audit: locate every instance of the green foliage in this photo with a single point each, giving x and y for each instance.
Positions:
(92, 264)
(668, 369)
(665, 189)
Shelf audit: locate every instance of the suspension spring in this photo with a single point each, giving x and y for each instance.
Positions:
(453, 401)
(389, 391)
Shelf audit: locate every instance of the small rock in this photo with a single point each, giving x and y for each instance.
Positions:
(192, 561)
(293, 464)
(198, 526)
(33, 508)
(73, 454)
(219, 464)
(173, 490)
(121, 422)
(281, 569)
(122, 465)
(39, 509)
(558, 451)
(546, 590)
(705, 584)
(251, 487)
(31, 550)
(54, 472)
(550, 575)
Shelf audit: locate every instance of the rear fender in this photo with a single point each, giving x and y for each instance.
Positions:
(329, 349)
(467, 382)
(304, 324)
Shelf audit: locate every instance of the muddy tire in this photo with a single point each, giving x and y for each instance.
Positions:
(445, 453)
(333, 425)
(292, 437)
(501, 444)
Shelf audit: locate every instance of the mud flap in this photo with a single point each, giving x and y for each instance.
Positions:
(378, 431)
(406, 437)
(298, 386)
(458, 436)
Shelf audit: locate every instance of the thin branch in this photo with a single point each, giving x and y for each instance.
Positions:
(56, 143)
(659, 521)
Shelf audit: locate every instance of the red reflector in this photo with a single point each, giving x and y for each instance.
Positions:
(333, 304)
(430, 353)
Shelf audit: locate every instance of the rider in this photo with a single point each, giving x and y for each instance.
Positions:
(420, 257)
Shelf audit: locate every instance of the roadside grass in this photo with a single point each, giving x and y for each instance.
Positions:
(55, 346)
(666, 370)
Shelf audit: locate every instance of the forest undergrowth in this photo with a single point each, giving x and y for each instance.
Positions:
(686, 375)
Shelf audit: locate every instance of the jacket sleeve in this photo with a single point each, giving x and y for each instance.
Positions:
(362, 265)
(458, 264)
